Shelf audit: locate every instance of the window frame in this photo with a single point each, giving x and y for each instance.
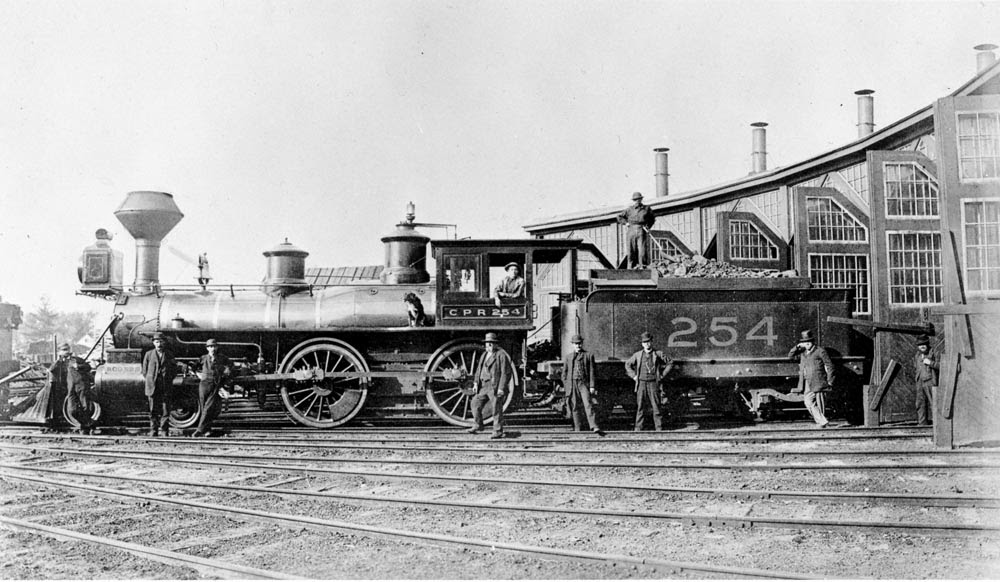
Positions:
(857, 296)
(885, 192)
(958, 146)
(889, 268)
(809, 239)
(965, 248)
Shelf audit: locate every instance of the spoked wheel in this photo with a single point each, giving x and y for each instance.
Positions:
(451, 396)
(95, 413)
(184, 411)
(323, 398)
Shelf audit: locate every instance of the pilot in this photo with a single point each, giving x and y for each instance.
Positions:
(511, 286)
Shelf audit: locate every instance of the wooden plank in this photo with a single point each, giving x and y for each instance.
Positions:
(964, 333)
(880, 325)
(948, 381)
(890, 374)
(980, 308)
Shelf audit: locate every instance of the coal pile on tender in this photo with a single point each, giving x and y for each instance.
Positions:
(699, 266)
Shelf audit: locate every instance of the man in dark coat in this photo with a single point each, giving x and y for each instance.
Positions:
(926, 367)
(76, 376)
(816, 375)
(579, 382)
(159, 369)
(639, 219)
(491, 380)
(648, 368)
(213, 371)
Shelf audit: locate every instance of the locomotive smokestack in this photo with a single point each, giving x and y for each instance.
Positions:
(662, 184)
(148, 217)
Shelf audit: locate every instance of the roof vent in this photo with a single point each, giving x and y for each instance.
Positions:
(662, 185)
(758, 157)
(985, 57)
(866, 112)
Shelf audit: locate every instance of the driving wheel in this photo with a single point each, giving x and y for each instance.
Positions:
(321, 396)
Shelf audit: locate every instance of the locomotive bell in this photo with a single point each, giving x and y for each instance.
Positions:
(286, 269)
(148, 217)
(405, 255)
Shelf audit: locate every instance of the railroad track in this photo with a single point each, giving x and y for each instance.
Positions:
(588, 513)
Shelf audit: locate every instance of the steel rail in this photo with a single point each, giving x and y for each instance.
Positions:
(826, 496)
(590, 465)
(684, 518)
(325, 524)
(534, 449)
(461, 436)
(212, 568)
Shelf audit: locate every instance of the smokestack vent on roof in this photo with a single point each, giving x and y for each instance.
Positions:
(985, 57)
(662, 183)
(758, 157)
(866, 112)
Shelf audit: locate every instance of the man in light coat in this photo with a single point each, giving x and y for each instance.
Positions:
(580, 385)
(159, 369)
(816, 375)
(491, 379)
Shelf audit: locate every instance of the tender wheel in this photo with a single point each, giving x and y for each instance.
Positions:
(322, 399)
(95, 414)
(451, 396)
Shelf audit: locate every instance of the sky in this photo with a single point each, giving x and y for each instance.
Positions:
(318, 121)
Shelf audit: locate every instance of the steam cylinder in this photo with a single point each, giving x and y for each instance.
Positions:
(405, 256)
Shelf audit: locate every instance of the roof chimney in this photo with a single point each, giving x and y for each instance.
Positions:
(758, 157)
(985, 57)
(662, 185)
(866, 112)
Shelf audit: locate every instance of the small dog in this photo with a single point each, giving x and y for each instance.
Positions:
(415, 310)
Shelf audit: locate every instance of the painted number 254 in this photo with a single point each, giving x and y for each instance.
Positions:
(723, 332)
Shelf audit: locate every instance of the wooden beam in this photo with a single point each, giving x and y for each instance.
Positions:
(964, 332)
(948, 381)
(883, 386)
(880, 325)
(980, 308)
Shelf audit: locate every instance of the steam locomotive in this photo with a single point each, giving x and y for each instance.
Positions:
(407, 342)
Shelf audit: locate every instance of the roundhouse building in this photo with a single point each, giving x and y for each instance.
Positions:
(908, 216)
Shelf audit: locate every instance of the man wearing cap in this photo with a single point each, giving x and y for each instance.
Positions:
(816, 374)
(579, 382)
(71, 381)
(926, 368)
(639, 219)
(491, 378)
(213, 371)
(511, 286)
(158, 369)
(648, 368)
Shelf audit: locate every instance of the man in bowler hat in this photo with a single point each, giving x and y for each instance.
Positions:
(71, 380)
(648, 368)
(491, 378)
(213, 371)
(816, 375)
(579, 381)
(926, 368)
(639, 219)
(159, 369)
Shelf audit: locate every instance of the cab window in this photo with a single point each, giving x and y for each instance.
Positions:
(462, 274)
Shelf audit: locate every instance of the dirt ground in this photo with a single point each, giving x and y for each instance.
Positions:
(313, 552)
